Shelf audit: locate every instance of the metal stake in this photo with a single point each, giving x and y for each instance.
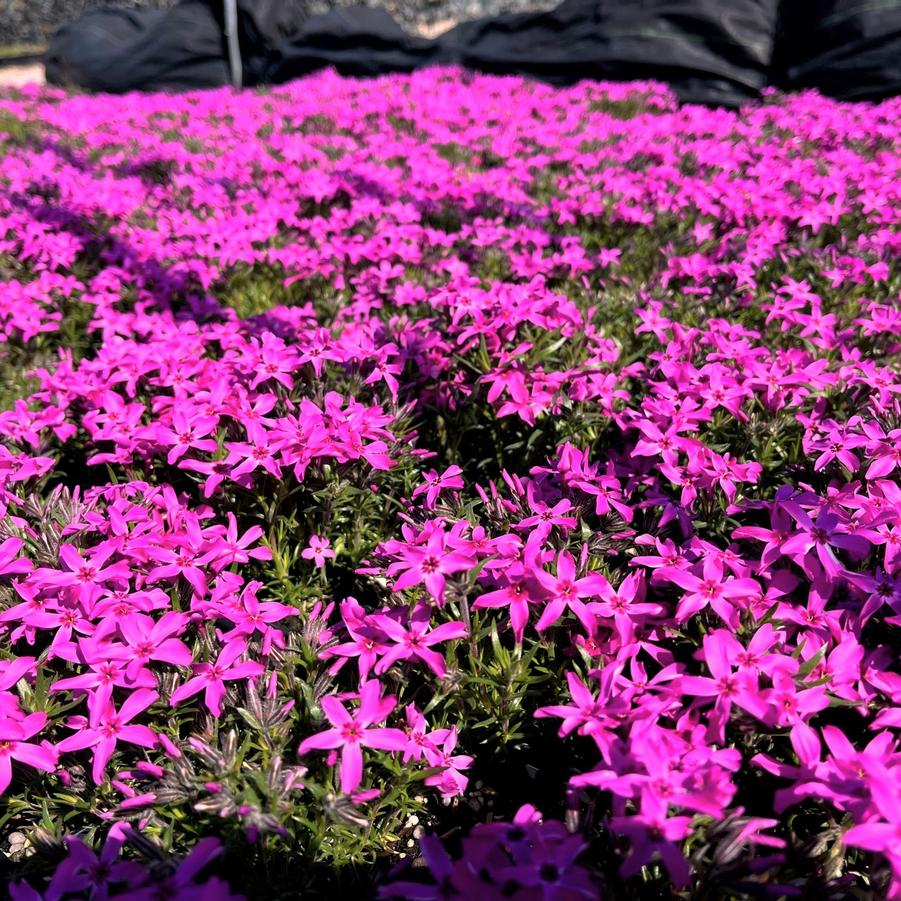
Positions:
(234, 49)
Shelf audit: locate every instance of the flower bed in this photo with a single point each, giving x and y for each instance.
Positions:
(449, 486)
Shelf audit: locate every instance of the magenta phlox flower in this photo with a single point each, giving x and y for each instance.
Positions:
(668, 554)
(839, 444)
(726, 685)
(229, 547)
(386, 370)
(429, 564)
(822, 536)
(184, 559)
(721, 389)
(187, 432)
(625, 605)
(885, 449)
(375, 453)
(353, 732)
(106, 727)
(275, 361)
(11, 564)
(106, 664)
(216, 472)
(450, 781)
(654, 834)
(608, 493)
(774, 538)
(146, 639)
(459, 878)
(549, 868)
(85, 572)
(566, 592)
(210, 678)
(435, 483)
(15, 730)
(584, 712)
(11, 671)
(420, 738)
(814, 615)
(185, 881)
(516, 589)
(316, 350)
(318, 550)
(535, 855)
(546, 517)
(711, 588)
(595, 716)
(367, 640)
(414, 640)
(878, 589)
(879, 832)
(788, 705)
(259, 451)
(251, 615)
(656, 441)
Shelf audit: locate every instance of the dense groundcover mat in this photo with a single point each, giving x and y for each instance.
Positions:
(449, 486)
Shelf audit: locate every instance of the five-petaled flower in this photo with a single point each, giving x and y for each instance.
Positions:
(353, 732)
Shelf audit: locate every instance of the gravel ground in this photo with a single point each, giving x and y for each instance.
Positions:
(414, 14)
(23, 21)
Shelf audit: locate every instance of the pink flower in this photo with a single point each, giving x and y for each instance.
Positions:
(14, 730)
(84, 871)
(429, 565)
(881, 830)
(229, 547)
(516, 589)
(722, 652)
(435, 484)
(565, 591)
(821, 536)
(414, 642)
(108, 726)
(147, 640)
(10, 563)
(450, 781)
(653, 833)
(318, 550)
(711, 588)
(210, 678)
(419, 739)
(87, 572)
(354, 732)
(188, 431)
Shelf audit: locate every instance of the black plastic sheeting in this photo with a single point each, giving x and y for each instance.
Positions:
(359, 41)
(719, 52)
(116, 50)
(706, 54)
(709, 51)
(849, 49)
(181, 48)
